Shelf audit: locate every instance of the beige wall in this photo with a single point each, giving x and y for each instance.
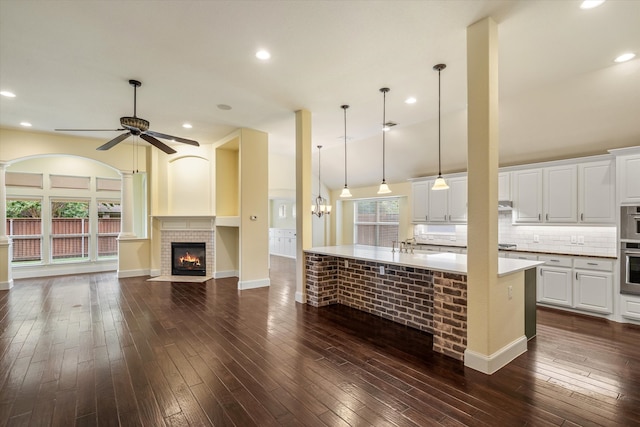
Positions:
(227, 250)
(227, 180)
(18, 144)
(342, 233)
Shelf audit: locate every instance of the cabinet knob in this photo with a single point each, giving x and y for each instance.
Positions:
(581, 217)
(547, 217)
(539, 217)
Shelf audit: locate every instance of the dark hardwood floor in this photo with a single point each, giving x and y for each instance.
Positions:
(95, 350)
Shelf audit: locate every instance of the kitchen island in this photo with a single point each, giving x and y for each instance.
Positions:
(424, 291)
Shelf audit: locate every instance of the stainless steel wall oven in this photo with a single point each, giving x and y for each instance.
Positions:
(630, 268)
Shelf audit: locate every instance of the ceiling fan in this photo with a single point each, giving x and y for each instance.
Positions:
(137, 126)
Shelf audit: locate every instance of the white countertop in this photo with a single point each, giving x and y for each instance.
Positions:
(447, 262)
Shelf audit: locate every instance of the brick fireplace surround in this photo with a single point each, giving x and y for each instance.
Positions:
(185, 229)
(431, 301)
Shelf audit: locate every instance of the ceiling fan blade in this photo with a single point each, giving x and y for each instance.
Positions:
(175, 138)
(88, 130)
(151, 140)
(114, 141)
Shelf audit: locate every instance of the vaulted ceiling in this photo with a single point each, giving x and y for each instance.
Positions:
(561, 94)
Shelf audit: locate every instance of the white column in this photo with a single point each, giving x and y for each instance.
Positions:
(6, 247)
(126, 220)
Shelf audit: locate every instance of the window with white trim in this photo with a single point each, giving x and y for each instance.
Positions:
(376, 221)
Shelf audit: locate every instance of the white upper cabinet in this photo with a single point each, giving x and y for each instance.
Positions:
(527, 196)
(504, 186)
(457, 200)
(596, 192)
(560, 191)
(438, 204)
(420, 193)
(629, 178)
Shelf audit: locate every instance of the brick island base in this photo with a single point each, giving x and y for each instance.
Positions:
(431, 301)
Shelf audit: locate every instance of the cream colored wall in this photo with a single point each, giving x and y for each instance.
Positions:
(189, 185)
(401, 190)
(18, 144)
(227, 180)
(254, 202)
(289, 221)
(227, 250)
(134, 256)
(282, 177)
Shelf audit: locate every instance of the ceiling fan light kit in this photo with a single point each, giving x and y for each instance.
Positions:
(138, 127)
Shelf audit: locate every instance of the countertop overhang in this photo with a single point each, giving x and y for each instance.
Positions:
(445, 262)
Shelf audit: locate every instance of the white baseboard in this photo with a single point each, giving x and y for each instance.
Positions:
(62, 269)
(492, 363)
(301, 298)
(5, 286)
(155, 272)
(132, 273)
(252, 284)
(225, 274)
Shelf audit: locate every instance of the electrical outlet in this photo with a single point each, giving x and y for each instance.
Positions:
(382, 269)
(536, 238)
(346, 263)
(581, 240)
(574, 240)
(510, 292)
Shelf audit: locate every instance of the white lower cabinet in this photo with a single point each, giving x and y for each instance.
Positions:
(282, 242)
(554, 286)
(630, 306)
(593, 285)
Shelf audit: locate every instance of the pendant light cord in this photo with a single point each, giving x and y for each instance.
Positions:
(439, 155)
(319, 189)
(344, 107)
(384, 123)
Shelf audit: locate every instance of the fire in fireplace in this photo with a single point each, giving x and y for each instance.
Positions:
(188, 259)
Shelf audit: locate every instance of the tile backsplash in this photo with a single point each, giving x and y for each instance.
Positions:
(571, 239)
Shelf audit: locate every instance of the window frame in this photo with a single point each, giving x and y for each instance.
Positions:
(377, 223)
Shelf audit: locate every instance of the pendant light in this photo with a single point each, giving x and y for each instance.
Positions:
(384, 188)
(321, 206)
(440, 183)
(345, 190)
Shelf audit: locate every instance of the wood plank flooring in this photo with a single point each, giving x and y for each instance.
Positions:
(94, 350)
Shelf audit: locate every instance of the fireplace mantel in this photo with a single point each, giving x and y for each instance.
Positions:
(183, 222)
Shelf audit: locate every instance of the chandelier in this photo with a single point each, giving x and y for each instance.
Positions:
(321, 205)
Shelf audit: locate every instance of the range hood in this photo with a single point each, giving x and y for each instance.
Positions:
(504, 205)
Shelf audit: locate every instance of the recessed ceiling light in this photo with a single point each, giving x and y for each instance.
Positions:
(625, 57)
(224, 107)
(263, 54)
(187, 126)
(25, 124)
(410, 100)
(7, 94)
(590, 4)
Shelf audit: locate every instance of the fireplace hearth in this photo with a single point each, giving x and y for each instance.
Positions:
(188, 259)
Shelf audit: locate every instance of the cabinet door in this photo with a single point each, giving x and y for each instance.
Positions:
(438, 204)
(457, 200)
(560, 194)
(629, 178)
(596, 193)
(504, 186)
(420, 194)
(527, 196)
(593, 291)
(555, 286)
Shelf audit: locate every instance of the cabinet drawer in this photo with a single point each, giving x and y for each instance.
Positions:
(593, 264)
(556, 261)
(289, 233)
(630, 307)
